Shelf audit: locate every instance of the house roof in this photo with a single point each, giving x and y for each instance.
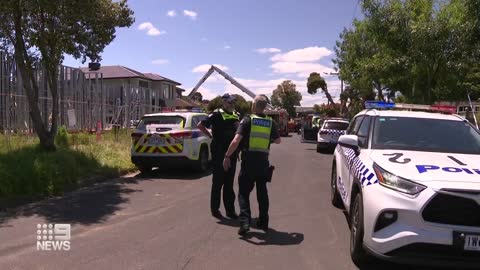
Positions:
(156, 77)
(117, 72)
(184, 103)
(114, 72)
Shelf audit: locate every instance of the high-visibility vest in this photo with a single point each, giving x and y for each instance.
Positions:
(227, 116)
(261, 128)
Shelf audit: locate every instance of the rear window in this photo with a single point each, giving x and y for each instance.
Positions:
(336, 125)
(162, 120)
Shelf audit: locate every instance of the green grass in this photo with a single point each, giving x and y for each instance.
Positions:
(28, 172)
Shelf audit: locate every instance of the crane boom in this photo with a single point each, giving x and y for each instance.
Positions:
(228, 78)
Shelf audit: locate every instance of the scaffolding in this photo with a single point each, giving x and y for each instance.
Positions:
(84, 100)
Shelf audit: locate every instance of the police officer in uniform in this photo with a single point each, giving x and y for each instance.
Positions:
(256, 132)
(224, 123)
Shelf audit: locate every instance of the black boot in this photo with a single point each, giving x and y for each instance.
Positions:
(262, 224)
(217, 214)
(232, 215)
(244, 228)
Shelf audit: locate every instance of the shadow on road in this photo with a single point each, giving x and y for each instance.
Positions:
(177, 174)
(382, 265)
(87, 206)
(228, 222)
(93, 204)
(273, 237)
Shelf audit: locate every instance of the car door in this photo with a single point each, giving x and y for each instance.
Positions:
(362, 130)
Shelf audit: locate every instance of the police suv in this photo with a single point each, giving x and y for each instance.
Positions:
(165, 139)
(329, 132)
(409, 180)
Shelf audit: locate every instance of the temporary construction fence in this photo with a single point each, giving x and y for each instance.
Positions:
(85, 103)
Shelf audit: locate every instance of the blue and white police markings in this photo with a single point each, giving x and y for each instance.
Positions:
(427, 168)
(261, 122)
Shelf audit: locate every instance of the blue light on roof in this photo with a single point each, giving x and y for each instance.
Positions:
(379, 105)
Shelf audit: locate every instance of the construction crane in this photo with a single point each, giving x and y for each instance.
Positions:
(228, 78)
(279, 115)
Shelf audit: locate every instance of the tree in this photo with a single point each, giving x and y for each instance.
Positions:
(39, 33)
(241, 105)
(197, 96)
(427, 50)
(214, 104)
(315, 82)
(287, 97)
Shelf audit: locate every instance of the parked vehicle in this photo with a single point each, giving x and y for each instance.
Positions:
(165, 139)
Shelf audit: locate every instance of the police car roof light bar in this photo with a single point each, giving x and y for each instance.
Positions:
(417, 107)
(378, 105)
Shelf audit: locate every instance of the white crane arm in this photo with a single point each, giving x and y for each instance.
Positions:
(228, 78)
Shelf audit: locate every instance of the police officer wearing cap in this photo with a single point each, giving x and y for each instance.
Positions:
(224, 123)
(254, 136)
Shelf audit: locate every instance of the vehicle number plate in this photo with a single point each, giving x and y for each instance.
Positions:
(472, 242)
(156, 140)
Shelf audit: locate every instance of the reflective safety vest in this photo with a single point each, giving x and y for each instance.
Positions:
(227, 116)
(261, 128)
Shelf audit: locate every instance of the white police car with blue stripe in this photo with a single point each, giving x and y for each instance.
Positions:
(410, 183)
(329, 132)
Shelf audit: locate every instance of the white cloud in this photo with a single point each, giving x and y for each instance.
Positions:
(171, 13)
(189, 13)
(267, 50)
(310, 54)
(206, 67)
(227, 47)
(160, 61)
(302, 70)
(151, 30)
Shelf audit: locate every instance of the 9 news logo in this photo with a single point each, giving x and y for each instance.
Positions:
(53, 237)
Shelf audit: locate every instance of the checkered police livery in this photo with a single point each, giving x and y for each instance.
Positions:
(329, 132)
(334, 132)
(365, 175)
(409, 191)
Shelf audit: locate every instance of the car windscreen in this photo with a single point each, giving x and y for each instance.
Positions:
(423, 134)
(162, 120)
(336, 125)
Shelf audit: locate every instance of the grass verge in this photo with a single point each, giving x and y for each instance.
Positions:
(27, 173)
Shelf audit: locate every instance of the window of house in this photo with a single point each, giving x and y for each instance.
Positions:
(143, 84)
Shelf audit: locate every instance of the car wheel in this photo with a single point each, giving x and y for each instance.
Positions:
(319, 150)
(358, 254)
(144, 169)
(334, 195)
(202, 163)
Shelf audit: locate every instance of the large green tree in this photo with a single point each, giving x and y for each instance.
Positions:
(287, 97)
(425, 49)
(242, 106)
(41, 32)
(315, 82)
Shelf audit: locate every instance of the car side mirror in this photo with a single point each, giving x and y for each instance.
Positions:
(349, 141)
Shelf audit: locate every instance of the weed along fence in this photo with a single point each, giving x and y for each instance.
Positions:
(85, 102)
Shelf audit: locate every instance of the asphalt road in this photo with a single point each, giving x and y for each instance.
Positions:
(163, 221)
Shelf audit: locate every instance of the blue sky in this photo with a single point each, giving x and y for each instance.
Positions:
(179, 39)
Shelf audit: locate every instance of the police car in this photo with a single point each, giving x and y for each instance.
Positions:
(166, 139)
(329, 132)
(409, 180)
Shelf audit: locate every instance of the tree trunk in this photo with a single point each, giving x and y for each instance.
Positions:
(30, 85)
(329, 97)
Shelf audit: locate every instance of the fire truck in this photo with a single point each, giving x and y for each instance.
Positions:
(280, 116)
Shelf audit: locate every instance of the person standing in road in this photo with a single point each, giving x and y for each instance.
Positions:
(224, 123)
(255, 132)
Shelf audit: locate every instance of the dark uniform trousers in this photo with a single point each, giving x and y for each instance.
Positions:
(254, 171)
(222, 178)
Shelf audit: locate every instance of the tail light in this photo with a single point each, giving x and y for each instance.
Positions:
(182, 135)
(136, 137)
